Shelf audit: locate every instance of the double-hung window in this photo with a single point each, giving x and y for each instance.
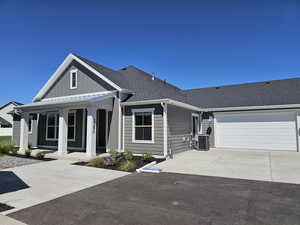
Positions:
(143, 125)
(73, 79)
(30, 124)
(71, 126)
(52, 126)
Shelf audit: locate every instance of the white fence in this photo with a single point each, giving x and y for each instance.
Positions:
(5, 131)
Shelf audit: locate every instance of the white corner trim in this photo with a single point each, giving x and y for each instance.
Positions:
(165, 127)
(151, 110)
(71, 78)
(123, 128)
(61, 69)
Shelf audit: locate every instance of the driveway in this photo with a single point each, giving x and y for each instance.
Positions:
(277, 166)
(25, 186)
(172, 199)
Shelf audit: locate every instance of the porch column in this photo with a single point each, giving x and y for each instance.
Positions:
(63, 132)
(24, 132)
(91, 131)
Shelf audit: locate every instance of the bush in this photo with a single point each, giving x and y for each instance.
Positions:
(147, 157)
(40, 155)
(128, 166)
(13, 151)
(128, 155)
(115, 153)
(96, 162)
(29, 146)
(6, 148)
(28, 153)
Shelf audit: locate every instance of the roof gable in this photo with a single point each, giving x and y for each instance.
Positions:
(59, 72)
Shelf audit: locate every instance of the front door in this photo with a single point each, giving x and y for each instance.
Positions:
(101, 128)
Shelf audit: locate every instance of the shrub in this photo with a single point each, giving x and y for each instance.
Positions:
(128, 166)
(6, 148)
(115, 153)
(13, 151)
(96, 162)
(40, 155)
(128, 155)
(29, 146)
(28, 153)
(147, 157)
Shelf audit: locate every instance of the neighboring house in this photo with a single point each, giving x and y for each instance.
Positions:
(6, 118)
(87, 107)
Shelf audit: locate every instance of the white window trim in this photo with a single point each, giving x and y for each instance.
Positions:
(57, 122)
(196, 115)
(71, 78)
(72, 112)
(55, 130)
(31, 124)
(134, 111)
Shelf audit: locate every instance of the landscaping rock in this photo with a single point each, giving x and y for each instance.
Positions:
(11, 161)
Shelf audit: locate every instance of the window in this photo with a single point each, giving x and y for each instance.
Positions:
(73, 79)
(143, 122)
(30, 124)
(71, 126)
(195, 125)
(52, 126)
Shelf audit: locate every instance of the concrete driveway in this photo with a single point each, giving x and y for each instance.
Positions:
(277, 166)
(25, 186)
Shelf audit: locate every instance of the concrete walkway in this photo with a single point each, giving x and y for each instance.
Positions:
(5, 220)
(276, 166)
(25, 186)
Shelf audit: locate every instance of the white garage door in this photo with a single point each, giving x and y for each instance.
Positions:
(275, 131)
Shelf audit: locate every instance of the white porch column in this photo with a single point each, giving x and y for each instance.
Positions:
(63, 132)
(91, 131)
(24, 132)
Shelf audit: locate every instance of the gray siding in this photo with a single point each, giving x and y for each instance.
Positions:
(179, 128)
(205, 124)
(155, 148)
(42, 132)
(113, 129)
(16, 129)
(87, 83)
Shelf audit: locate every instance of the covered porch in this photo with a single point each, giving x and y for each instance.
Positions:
(71, 124)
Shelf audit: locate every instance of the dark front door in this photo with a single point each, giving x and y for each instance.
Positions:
(101, 128)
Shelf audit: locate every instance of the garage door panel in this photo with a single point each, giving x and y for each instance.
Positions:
(256, 130)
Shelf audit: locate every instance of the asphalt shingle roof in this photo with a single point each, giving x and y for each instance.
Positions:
(276, 92)
(4, 122)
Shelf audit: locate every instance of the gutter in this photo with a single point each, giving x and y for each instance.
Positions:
(241, 108)
(167, 101)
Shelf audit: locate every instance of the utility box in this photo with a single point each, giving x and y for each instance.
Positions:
(203, 142)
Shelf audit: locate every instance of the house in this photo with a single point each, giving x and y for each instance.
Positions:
(88, 107)
(6, 118)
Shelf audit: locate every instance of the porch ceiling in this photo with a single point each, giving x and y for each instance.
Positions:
(68, 101)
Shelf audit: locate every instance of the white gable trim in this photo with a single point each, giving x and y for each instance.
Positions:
(61, 69)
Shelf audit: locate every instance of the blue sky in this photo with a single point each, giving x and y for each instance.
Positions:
(190, 43)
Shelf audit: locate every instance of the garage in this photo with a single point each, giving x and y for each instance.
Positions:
(256, 130)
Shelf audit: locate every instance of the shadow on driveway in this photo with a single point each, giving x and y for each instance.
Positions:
(10, 182)
(168, 198)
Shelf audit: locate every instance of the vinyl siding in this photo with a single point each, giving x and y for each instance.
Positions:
(113, 129)
(179, 128)
(153, 148)
(87, 83)
(42, 132)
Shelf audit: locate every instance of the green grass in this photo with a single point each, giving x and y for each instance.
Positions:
(5, 139)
